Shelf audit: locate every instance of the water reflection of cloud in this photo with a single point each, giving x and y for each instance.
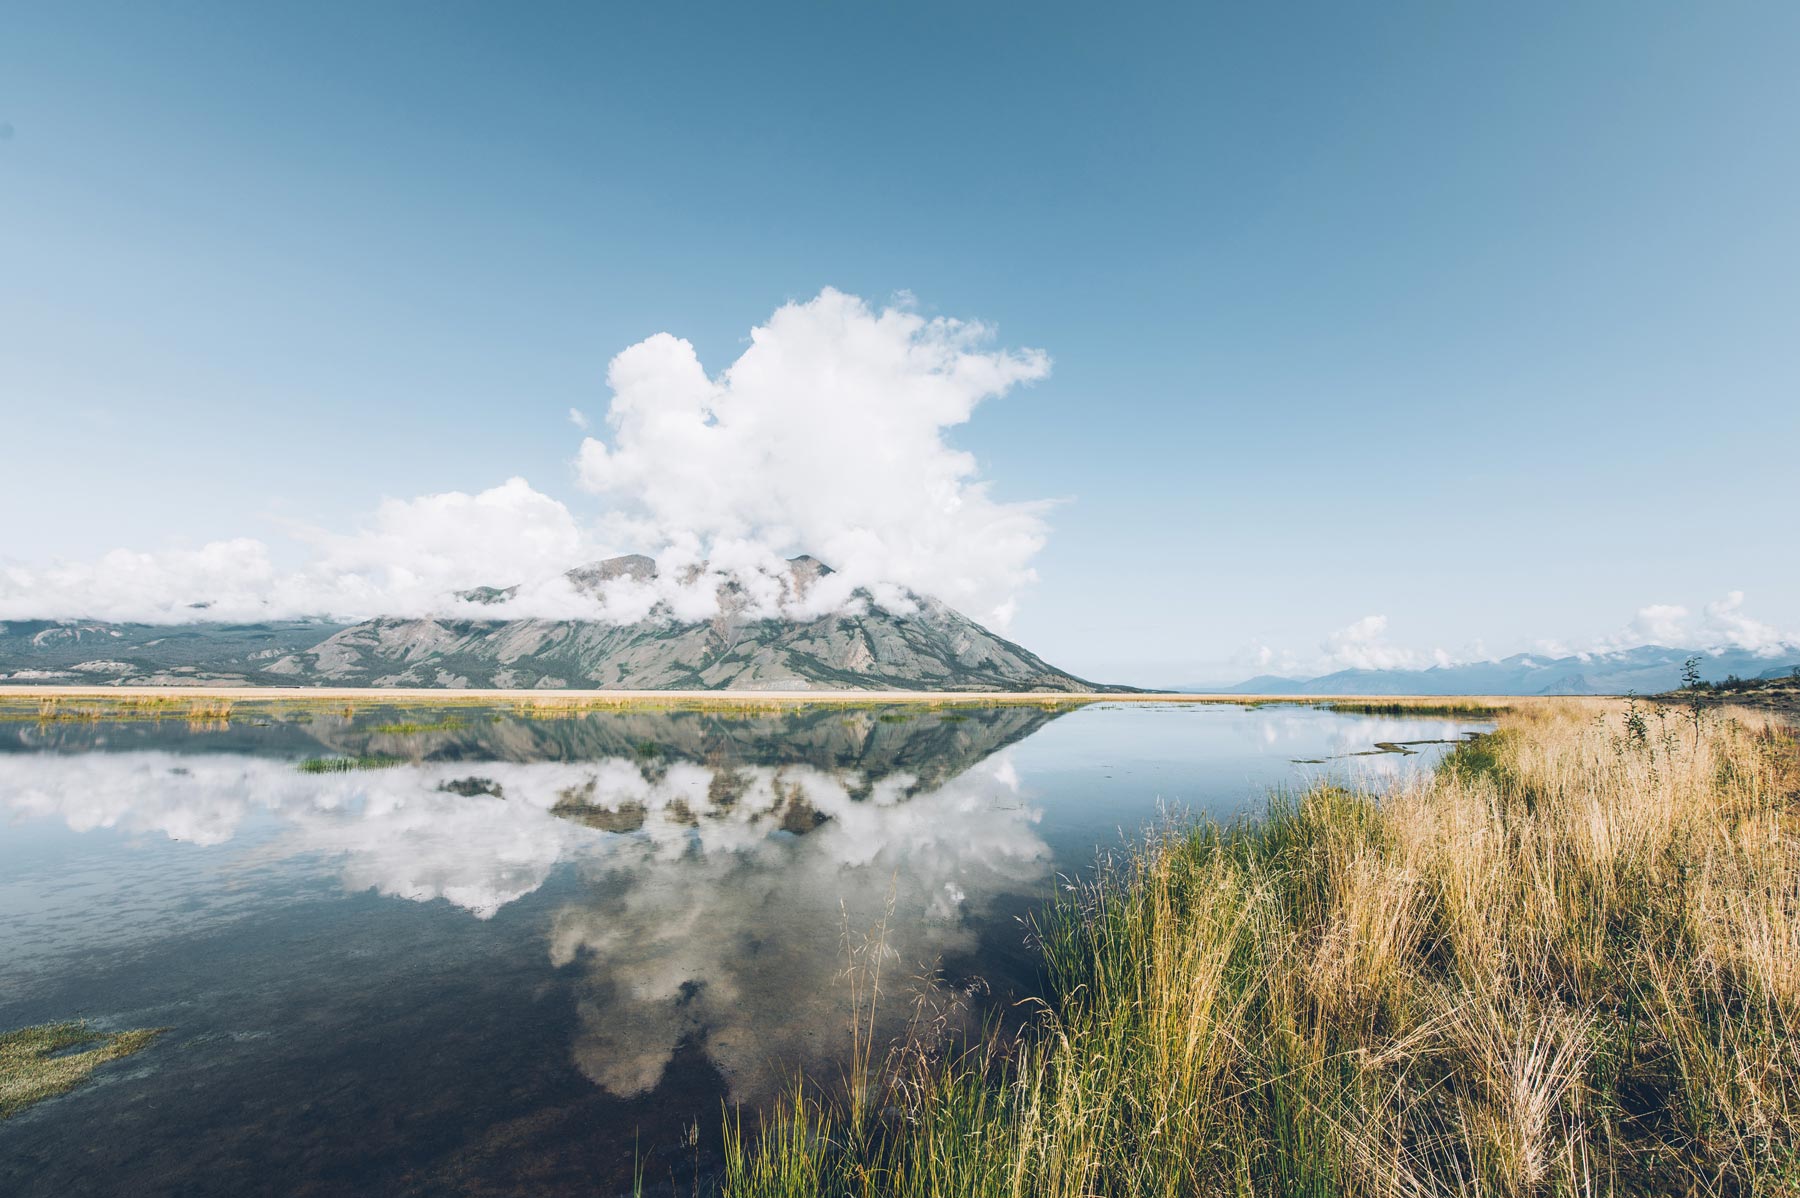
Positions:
(395, 830)
(717, 902)
(741, 951)
(1338, 744)
(424, 832)
(196, 799)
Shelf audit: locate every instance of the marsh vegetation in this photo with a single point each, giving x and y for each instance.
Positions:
(418, 727)
(344, 765)
(1471, 708)
(1567, 962)
(53, 1058)
(96, 708)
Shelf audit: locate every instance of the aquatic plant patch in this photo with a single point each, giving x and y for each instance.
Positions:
(37, 1062)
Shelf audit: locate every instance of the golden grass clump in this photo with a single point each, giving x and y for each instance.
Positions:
(1567, 962)
(36, 1062)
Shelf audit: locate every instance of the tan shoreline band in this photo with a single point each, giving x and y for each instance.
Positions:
(429, 694)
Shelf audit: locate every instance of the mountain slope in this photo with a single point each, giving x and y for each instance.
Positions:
(932, 648)
(72, 653)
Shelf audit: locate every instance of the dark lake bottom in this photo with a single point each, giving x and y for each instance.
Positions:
(478, 952)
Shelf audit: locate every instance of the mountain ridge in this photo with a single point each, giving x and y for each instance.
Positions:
(931, 647)
(1647, 669)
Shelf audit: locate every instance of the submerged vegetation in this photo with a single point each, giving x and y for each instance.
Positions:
(1568, 962)
(37, 1062)
(94, 708)
(448, 723)
(344, 765)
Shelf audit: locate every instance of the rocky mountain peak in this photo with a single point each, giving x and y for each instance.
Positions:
(487, 595)
(590, 578)
(803, 571)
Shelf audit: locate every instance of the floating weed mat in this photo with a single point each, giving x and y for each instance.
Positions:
(413, 728)
(60, 709)
(35, 1063)
(344, 765)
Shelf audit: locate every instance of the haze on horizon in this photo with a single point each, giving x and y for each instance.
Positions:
(1179, 346)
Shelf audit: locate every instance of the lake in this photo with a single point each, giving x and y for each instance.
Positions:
(491, 951)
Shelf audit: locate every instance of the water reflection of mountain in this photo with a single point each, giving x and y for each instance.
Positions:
(276, 734)
(932, 744)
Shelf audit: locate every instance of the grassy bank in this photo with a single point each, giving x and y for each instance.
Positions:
(1568, 963)
(1421, 707)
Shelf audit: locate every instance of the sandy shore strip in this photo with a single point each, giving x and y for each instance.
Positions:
(428, 695)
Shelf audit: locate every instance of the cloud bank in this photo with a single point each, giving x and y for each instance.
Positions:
(1721, 623)
(827, 436)
(408, 558)
(1365, 644)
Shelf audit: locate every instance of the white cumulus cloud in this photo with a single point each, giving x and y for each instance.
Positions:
(1727, 622)
(826, 436)
(1660, 624)
(1720, 624)
(234, 577)
(1364, 646)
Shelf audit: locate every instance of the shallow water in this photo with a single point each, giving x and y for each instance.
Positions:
(528, 955)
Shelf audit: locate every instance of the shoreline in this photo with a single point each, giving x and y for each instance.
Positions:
(339, 694)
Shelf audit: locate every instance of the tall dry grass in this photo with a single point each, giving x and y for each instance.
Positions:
(1566, 963)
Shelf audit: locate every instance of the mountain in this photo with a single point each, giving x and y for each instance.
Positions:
(1647, 669)
(77, 652)
(931, 648)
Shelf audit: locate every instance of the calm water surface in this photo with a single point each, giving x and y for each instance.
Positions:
(514, 955)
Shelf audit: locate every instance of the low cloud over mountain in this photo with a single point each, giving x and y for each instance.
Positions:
(724, 638)
(1721, 629)
(828, 435)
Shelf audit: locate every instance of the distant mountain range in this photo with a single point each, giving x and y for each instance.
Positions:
(1648, 669)
(931, 648)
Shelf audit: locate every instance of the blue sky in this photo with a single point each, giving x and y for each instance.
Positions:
(1479, 320)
